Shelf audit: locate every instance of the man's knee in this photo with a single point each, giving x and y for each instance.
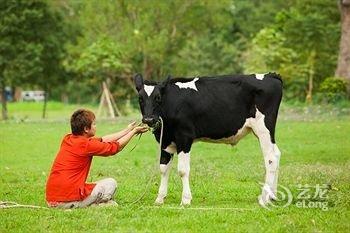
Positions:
(111, 184)
(106, 188)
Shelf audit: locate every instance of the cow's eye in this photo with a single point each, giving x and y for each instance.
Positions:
(157, 98)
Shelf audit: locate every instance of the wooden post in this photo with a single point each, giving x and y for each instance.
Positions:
(114, 104)
(100, 106)
(107, 102)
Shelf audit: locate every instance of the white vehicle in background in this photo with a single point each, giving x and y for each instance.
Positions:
(36, 96)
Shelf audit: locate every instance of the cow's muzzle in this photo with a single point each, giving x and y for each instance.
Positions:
(151, 122)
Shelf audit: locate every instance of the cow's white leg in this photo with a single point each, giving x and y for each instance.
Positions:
(184, 172)
(277, 153)
(270, 159)
(270, 167)
(163, 188)
(165, 162)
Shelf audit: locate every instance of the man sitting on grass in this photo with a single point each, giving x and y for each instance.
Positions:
(66, 186)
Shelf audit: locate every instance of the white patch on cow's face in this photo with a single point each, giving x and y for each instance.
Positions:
(148, 89)
(259, 76)
(171, 149)
(191, 84)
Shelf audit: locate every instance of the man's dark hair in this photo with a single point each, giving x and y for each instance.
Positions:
(80, 119)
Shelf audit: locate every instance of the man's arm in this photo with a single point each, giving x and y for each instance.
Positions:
(123, 141)
(118, 135)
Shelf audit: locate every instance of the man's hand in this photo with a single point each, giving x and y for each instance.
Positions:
(140, 129)
(126, 138)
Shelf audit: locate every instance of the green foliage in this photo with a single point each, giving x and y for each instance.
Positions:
(298, 45)
(198, 56)
(152, 33)
(115, 39)
(333, 89)
(249, 17)
(312, 27)
(102, 59)
(155, 38)
(333, 85)
(31, 43)
(268, 53)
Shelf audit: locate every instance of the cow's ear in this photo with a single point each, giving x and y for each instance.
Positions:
(165, 82)
(138, 80)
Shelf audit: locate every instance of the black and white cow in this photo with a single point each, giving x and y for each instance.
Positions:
(223, 109)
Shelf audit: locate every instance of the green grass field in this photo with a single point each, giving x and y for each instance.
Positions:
(224, 181)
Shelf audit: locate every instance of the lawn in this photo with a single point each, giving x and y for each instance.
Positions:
(224, 181)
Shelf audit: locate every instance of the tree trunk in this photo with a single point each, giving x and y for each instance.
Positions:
(343, 68)
(311, 67)
(18, 94)
(64, 98)
(3, 100)
(46, 94)
(147, 69)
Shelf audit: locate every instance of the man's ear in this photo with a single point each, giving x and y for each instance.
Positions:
(86, 129)
(165, 82)
(138, 81)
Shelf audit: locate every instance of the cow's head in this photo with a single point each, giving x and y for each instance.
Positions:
(150, 99)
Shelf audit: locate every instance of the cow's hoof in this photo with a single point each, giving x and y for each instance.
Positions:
(159, 201)
(186, 201)
(266, 196)
(273, 197)
(263, 200)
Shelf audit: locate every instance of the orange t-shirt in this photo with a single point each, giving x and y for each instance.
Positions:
(71, 167)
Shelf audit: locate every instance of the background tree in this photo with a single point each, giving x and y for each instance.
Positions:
(343, 68)
(299, 46)
(31, 46)
(152, 34)
(100, 39)
(102, 61)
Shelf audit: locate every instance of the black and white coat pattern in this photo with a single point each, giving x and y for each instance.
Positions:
(219, 109)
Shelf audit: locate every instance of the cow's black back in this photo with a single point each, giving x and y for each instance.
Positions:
(221, 105)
